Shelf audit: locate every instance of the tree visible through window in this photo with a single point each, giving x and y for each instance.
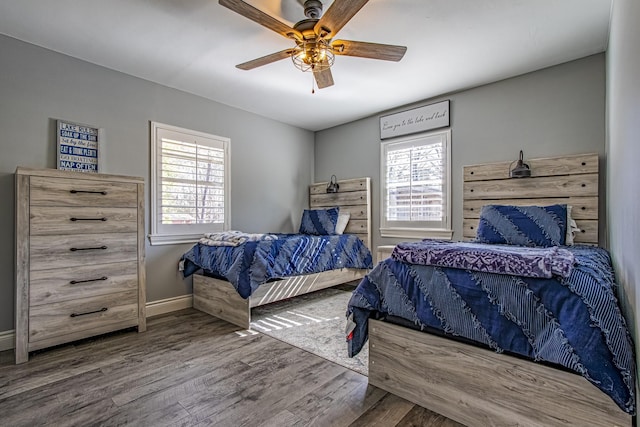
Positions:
(416, 184)
(191, 182)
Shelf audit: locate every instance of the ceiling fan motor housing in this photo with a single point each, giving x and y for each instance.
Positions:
(312, 9)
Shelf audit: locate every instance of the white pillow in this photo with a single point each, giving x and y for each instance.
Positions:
(343, 219)
(572, 227)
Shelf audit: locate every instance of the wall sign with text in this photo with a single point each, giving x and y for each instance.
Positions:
(78, 147)
(419, 119)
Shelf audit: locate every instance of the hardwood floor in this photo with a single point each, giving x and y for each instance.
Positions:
(190, 369)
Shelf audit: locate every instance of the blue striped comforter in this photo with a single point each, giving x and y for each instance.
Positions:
(253, 263)
(574, 322)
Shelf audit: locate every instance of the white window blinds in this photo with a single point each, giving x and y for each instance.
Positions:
(416, 183)
(191, 182)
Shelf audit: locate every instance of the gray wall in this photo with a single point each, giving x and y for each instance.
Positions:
(38, 86)
(623, 153)
(556, 111)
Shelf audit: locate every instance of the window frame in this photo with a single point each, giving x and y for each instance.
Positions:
(162, 234)
(419, 231)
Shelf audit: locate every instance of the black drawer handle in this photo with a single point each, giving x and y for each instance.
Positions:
(88, 312)
(104, 193)
(87, 249)
(88, 219)
(75, 282)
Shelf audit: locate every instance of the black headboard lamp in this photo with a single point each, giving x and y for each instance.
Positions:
(521, 169)
(333, 185)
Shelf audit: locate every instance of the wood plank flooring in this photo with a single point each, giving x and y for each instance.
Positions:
(191, 369)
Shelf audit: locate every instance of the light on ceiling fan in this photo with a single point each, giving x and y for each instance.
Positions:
(313, 55)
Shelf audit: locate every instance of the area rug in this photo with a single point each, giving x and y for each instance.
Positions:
(314, 322)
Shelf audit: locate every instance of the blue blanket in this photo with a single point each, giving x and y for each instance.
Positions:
(253, 263)
(574, 322)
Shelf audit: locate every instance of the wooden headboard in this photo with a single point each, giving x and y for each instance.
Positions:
(571, 180)
(354, 196)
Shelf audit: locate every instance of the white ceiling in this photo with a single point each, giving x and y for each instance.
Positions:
(194, 45)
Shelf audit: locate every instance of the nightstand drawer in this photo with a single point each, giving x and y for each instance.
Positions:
(70, 317)
(46, 220)
(48, 252)
(73, 192)
(64, 284)
(384, 252)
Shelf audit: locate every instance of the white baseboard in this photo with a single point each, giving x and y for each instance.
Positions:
(7, 340)
(154, 308)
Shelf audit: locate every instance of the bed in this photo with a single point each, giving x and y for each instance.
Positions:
(495, 383)
(218, 297)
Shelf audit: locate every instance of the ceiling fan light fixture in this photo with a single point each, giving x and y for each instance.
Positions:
(313, 55)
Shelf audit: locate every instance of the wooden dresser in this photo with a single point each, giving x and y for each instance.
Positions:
(79, 256)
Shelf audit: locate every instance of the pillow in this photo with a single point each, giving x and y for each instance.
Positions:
(572, 227)
(319, 221)
(343, 220)
(523, 225)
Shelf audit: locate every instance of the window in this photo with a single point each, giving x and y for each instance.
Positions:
(189, 184)
(416, 186)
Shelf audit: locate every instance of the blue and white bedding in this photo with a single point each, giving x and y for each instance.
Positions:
(572, 321)
(254, 262)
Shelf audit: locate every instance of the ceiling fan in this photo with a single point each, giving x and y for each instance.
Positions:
(315, 48)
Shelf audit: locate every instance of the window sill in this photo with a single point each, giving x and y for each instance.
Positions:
(173, 239)
(417, 233)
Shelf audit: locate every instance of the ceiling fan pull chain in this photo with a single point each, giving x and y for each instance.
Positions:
(313, 79)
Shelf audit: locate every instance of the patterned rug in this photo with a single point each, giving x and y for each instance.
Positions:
(314, 322)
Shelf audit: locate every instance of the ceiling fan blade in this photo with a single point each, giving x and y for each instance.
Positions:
(324, 78)
(268, 59)
(261, 18)
(338, 14)
(386, 52)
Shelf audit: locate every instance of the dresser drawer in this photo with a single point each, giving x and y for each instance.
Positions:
(70, 317)
(46, 220)
(49, 252)
(74, 192)
(63, 284)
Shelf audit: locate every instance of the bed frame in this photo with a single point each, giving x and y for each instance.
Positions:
(220, 299)
(476, 386)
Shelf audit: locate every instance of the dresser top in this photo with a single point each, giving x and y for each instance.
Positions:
(87, 176)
